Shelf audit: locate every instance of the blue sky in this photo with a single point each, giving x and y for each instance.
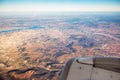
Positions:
(59, 5)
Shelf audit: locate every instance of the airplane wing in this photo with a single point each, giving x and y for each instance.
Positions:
(93, 68)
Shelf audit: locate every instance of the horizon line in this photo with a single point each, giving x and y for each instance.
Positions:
(57, 11)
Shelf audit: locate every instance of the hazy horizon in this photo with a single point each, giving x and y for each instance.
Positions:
(59, 5)
(62, 13)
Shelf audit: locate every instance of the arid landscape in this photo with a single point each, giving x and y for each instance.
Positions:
(36, 47)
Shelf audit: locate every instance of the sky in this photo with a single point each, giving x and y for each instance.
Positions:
(59, 5)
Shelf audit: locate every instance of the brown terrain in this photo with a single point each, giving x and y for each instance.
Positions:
(36, 48)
